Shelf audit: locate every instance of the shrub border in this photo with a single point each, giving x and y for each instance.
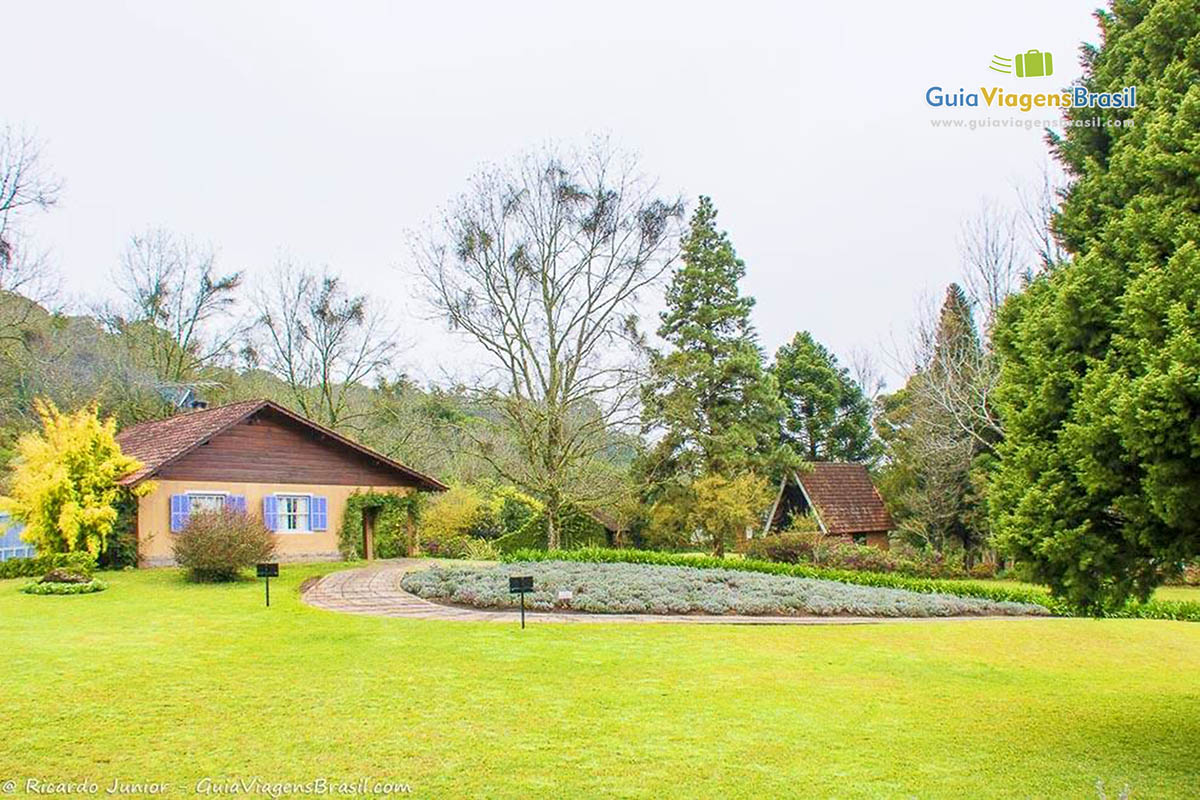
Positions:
(79, 561)
(51, 588)
(1155, 609)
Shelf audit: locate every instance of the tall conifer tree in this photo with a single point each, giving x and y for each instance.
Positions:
(710, 398)
(1099, 479)
(827, 417)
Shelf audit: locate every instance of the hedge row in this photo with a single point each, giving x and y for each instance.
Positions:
(39, 565)
(1152, 610)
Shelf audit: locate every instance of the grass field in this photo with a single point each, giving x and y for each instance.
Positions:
(159, 680)
(1189, 594)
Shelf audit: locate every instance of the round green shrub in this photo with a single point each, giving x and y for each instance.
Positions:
(44, 587)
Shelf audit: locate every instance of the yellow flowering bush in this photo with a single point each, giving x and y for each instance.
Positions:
(63, 485)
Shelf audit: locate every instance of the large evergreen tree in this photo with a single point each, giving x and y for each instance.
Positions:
(1099, 481)
(710, 398)
(827, 417)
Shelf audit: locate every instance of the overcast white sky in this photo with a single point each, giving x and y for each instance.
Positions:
(328, 129)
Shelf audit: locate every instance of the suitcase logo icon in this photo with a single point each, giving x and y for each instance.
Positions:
(1030, 64)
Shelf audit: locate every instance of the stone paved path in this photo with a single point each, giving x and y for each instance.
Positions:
(376, 591)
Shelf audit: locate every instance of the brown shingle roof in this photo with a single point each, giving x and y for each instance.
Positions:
(845, 498)
(163, 441)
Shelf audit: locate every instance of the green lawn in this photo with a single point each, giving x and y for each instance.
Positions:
(156, 679)
(1189, 594)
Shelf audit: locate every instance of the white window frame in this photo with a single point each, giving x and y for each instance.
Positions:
(196, 493)
(307, 529)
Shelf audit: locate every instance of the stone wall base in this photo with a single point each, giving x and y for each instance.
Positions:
(282, 558)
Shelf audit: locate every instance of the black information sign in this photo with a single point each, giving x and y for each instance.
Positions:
(267, 571)
(520, 584)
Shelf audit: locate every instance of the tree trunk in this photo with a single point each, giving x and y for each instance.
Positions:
(552, 528)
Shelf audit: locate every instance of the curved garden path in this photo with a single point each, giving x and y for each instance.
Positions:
(375, 591)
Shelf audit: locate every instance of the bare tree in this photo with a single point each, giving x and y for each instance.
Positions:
(957, 374)
(945, 417)
(937, 502)
(541, 265)
(1038, 207)
(993, 258)
(178, 309)
(26, 186)
(864, 368)
(324, 342)
(960, 374)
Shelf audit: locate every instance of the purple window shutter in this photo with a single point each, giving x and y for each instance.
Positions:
(179, 512)
(271, 512)
(235, 503)
(319, 514)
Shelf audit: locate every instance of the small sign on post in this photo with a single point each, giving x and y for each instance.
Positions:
(267, 571)
(521, 584)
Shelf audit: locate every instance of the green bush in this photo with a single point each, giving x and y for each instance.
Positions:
(791, 547)
(445, 545)
(481, 550)
(837, 553)
(1155, 609)
(218, 545)
(803, 523)
(460, 512)
(80, 561)
(505, 516)
(54, 587)
(121, 548)
(985, 570)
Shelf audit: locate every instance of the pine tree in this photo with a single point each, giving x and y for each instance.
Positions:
(1099, 479)
(956, 340)
(827, 416)
(716, 407)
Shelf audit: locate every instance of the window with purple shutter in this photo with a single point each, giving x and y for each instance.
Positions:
(319, 518)
(271, 512)
(236, 503)
(180, 506)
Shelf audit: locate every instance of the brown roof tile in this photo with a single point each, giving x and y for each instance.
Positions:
(162, 441)
(845, 498)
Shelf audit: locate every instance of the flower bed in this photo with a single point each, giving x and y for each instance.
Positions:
(884, 580)
(1153, 609)
(616, 588)
(56, 587)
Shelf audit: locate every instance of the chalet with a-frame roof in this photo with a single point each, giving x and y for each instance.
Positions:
(841, 497)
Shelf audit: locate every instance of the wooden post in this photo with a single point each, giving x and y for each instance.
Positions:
(369, 533)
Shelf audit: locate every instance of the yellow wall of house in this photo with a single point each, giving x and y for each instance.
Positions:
(154, 516)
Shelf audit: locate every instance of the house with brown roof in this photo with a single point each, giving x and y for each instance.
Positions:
(841, 497)
(258, 457)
